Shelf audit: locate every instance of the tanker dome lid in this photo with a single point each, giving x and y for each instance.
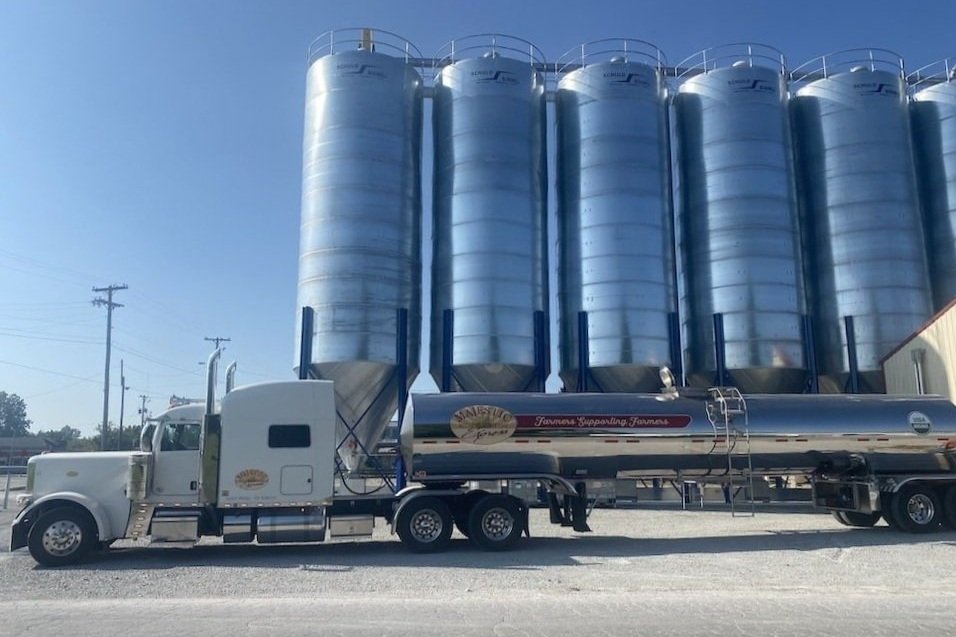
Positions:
(613, 51)
(362, 39)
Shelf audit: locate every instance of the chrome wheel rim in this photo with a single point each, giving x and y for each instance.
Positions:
(497, 523)
(920, 509)
(62, 538)
(426, 525)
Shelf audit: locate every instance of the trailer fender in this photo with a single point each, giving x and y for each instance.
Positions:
(419, 492)
(26, 517)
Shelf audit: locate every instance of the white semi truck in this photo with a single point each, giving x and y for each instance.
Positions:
(261, 464)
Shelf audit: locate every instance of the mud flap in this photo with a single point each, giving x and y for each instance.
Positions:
(579, 509)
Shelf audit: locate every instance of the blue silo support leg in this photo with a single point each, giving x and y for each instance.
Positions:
(584, 364)
(401, 372)
(305, 343)
(853, 382)
(720, 361)
(810, 355)
(447, 348)
(540, 351)
(673, 333)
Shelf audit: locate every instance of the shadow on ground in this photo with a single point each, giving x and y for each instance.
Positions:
(532, 554)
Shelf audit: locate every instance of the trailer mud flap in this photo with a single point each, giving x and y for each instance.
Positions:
(570, 510)
(579, 509)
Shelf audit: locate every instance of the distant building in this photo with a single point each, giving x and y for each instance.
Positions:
(925, 362)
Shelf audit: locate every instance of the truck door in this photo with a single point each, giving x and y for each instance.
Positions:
(176, 462)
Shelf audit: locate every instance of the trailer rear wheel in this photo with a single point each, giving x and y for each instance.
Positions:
(949, 506)
(916, 509)
(424, 525)
(62, 536)
(495, 523)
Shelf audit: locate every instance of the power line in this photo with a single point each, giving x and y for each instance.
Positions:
(47, 371)
(110, 305)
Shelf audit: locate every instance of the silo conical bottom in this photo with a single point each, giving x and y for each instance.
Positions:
(490, 377)
(617, 379)
(871, 382)
(365, 393)
(758, 380)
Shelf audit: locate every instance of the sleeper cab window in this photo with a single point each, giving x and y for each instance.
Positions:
(289, 436)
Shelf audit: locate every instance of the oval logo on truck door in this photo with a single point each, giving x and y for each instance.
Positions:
(920, 422)
(483, 424)
(251, 479)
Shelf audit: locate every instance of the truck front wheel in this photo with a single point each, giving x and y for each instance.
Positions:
(424, 525)
(495, 523)
(62, 536)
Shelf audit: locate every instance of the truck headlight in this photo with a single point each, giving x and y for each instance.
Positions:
(31, 476)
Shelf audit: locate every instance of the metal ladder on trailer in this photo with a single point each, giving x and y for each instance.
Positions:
(727, 413)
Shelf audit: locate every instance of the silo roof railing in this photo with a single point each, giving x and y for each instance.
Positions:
(749, 53)
(938, 72)
(351, 39)
(610, 49)
(472, 46)
(849, 60)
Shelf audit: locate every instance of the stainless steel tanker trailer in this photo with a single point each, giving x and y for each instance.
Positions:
(265, 464)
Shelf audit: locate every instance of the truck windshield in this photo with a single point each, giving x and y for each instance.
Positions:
(180, 436)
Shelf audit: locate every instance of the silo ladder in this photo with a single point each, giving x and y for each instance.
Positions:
(727, 412)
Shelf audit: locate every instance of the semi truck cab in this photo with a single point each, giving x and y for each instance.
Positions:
(270, 467)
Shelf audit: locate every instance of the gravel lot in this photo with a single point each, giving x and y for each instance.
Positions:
(647, 571)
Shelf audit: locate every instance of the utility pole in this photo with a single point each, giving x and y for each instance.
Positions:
(108, 302)
(123, 388)
(217, 340)
(142, 410)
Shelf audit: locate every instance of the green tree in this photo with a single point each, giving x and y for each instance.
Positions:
(61, 438)
(13, 416)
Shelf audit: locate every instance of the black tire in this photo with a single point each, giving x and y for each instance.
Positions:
(424, 524)
(839, 517)
(462, 525)
(860, 520)
(887, 511)
(949, 507)
(916, 509)
(62, 536)
(495, 523)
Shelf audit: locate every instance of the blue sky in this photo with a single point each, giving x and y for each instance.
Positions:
(158, 144)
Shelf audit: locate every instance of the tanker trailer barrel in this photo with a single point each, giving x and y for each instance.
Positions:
(675, 434)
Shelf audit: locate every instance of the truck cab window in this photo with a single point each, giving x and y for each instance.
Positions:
(180, 436)
(289, 436)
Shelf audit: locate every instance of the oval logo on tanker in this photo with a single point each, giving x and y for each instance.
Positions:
(483, 424)
(251, 479)
(920, 422)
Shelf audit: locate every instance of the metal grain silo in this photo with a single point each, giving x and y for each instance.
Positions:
(859, 200)
(739, 239)
(615, 236)
(489, 263)
(359, 254)
(933, 110)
